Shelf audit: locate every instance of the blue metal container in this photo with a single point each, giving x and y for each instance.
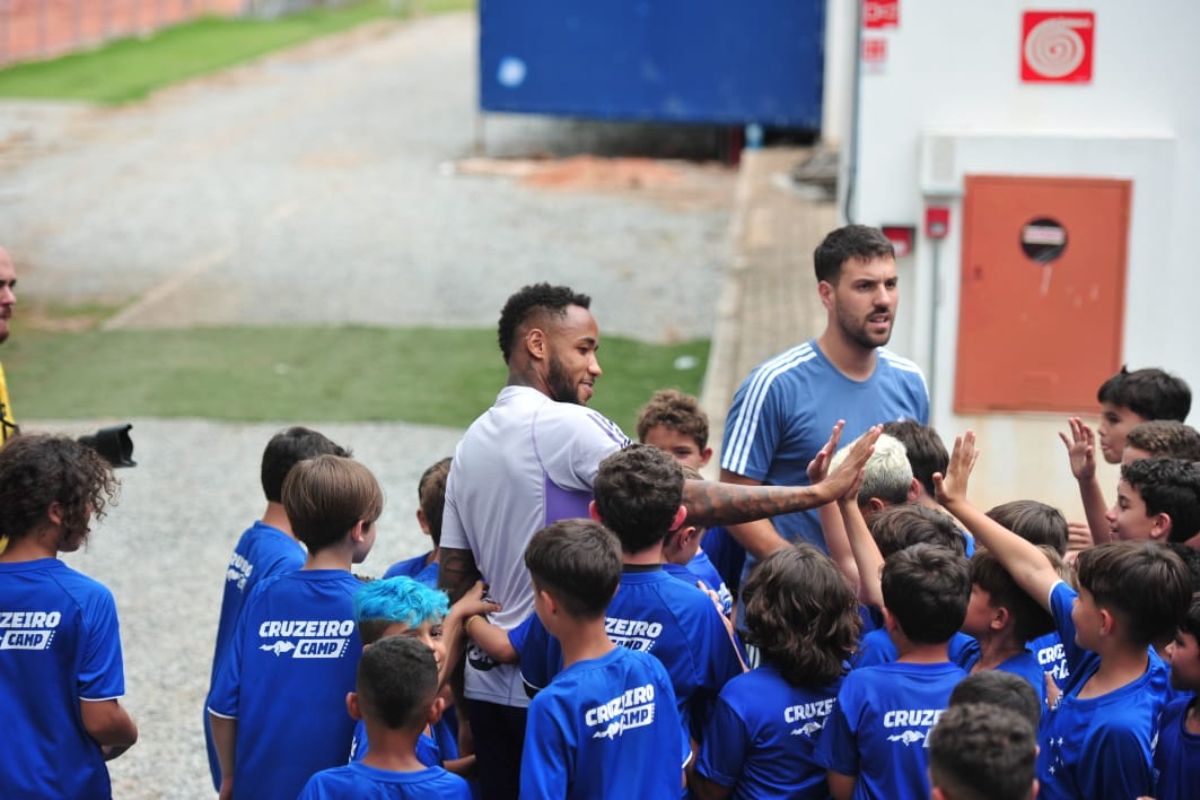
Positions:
(694, 61)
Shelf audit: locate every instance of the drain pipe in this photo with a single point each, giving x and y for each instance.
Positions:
(852, 161)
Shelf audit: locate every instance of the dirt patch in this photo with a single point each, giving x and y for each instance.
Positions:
(679, 184)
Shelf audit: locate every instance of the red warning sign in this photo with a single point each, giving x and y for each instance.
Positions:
(1057, 46)
(881, 14)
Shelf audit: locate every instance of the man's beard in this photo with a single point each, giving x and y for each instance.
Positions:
(561, 387)
(856, 331)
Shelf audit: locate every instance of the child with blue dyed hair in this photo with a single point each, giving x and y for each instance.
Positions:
(404, 606)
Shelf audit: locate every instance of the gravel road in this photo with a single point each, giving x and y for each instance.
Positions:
(313, 187)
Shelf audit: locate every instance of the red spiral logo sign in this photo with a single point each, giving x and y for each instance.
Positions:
(1056, 47)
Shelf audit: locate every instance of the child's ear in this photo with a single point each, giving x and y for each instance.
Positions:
(1000, 618)
(593, 513)
(1108, 622)
(55, 513)
(889, 622)
(424, 523)
(436, 709)
(352, 706)
(680, 516)
(1160, 526)
(705, 456)
(914, 491)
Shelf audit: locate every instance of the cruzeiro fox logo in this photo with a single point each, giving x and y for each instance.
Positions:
(808, 729)
(314, 638)
(909, 718)
(811, 714)
(632, 709)
(28, 630)
(279, 647)
(908, 737)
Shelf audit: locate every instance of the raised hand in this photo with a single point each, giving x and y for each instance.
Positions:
(1081, 449)
(842, 479)
(952, 487)
(819, 466)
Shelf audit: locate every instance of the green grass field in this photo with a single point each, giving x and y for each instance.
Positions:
(423, 375)
(129, 69)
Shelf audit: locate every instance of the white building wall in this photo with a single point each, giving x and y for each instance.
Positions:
(951, 77)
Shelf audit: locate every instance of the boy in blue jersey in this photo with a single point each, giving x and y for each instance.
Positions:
(685, 559)
(396, 698)
(980, 750)
(277, 707)
(1127, 400)
(639, 491)
(1002, 619)
(61, 672)
(403, 606)
(874, 741)
(892, 530)
(1043, 525)
(266, 548)
(431, 499)
(675, 423)
(1177, 755)
(803, 618)
(606, 726)
(1097, 741)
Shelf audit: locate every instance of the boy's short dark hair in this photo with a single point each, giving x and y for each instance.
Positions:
(860, 242)
(287, 449)
(1034, 522)
(1191, 620)
(995, 687)
(326, 496)
(927, 589)
(431, 494)
(37, 471)
(675, 411)
(982, 752)
(578, 561)
(397, 683)
(638, 491)
(898, 527)
(1146, 585)
(925, 449)
(1150, 393)
(1190, 557)
(1031, 619)
(1168, 486)
(802, 615)
(530, 301)
(1167, 438)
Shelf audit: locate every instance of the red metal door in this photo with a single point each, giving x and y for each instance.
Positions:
(1043, 292)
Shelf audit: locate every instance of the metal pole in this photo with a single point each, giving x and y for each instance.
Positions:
(4, 12)
(41, 28)
(935, 296)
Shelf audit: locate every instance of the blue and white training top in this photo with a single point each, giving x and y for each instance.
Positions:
(290, 664)
(59, 644)
(605, 728)
(783, 412)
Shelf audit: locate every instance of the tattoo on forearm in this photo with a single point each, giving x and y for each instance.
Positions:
(457, 572)
(712, 503)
